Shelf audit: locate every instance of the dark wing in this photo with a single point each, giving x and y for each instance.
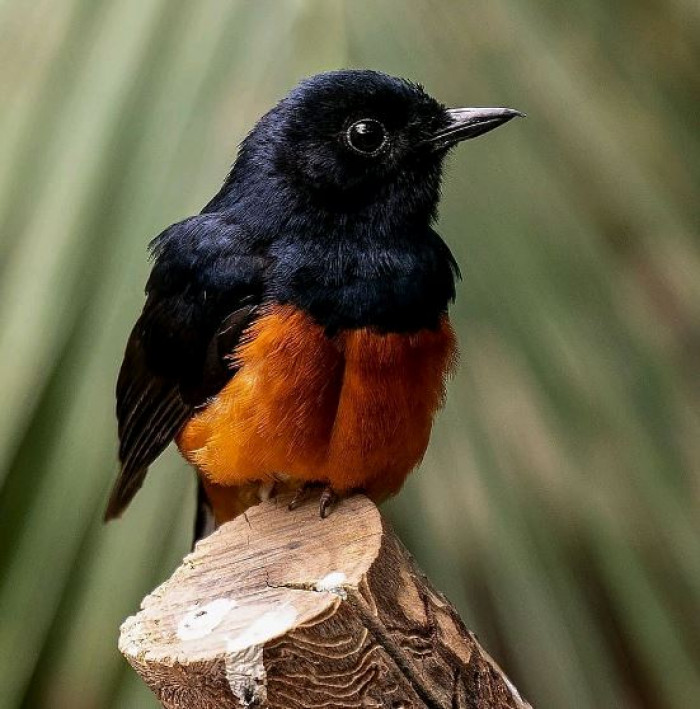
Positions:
(204, 290)
(150, 411)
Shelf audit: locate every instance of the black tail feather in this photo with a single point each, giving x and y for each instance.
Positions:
(204, 523)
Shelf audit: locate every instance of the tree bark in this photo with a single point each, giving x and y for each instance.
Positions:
(285, 610)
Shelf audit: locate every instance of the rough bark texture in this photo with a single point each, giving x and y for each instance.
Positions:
(285, 610)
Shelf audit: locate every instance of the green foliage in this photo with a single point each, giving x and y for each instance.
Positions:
(558, 503)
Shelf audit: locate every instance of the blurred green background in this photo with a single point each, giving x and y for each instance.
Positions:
(558, 503)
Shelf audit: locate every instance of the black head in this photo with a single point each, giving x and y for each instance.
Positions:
(355, 143)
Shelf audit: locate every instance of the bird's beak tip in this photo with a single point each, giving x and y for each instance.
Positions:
(467, 123)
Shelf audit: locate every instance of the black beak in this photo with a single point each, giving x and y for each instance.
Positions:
(467, 123)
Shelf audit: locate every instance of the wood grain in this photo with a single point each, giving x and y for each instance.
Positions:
(282, 609)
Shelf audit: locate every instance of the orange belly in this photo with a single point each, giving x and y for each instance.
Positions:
(354, 410)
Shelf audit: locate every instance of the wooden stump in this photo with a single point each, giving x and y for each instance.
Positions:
(286, 610)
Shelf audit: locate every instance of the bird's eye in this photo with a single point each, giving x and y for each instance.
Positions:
(366, 136)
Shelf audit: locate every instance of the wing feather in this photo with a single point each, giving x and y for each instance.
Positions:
(203, 293)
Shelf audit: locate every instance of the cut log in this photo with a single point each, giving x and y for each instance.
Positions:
(285, 610)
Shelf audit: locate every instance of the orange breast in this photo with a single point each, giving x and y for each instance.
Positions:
(354, 410)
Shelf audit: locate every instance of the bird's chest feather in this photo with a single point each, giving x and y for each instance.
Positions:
(354, 409)
(402, 285)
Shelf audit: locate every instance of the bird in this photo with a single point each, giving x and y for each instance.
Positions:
(295, 334)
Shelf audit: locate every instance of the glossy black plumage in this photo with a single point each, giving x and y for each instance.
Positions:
(304, 218)
(201, 296)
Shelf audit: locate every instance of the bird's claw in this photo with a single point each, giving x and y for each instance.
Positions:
(328, 499)
(326, 502)
(301, 495)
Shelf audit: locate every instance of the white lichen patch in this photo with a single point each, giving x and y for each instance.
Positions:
(332, 583)
(268, 625)
(246, 675)
(245, 669)
(201, 620)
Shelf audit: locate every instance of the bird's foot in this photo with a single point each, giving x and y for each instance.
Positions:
(326, 502)
(270, 488)
(302, 494)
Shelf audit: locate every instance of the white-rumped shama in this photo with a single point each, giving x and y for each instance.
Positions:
(295, 332)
